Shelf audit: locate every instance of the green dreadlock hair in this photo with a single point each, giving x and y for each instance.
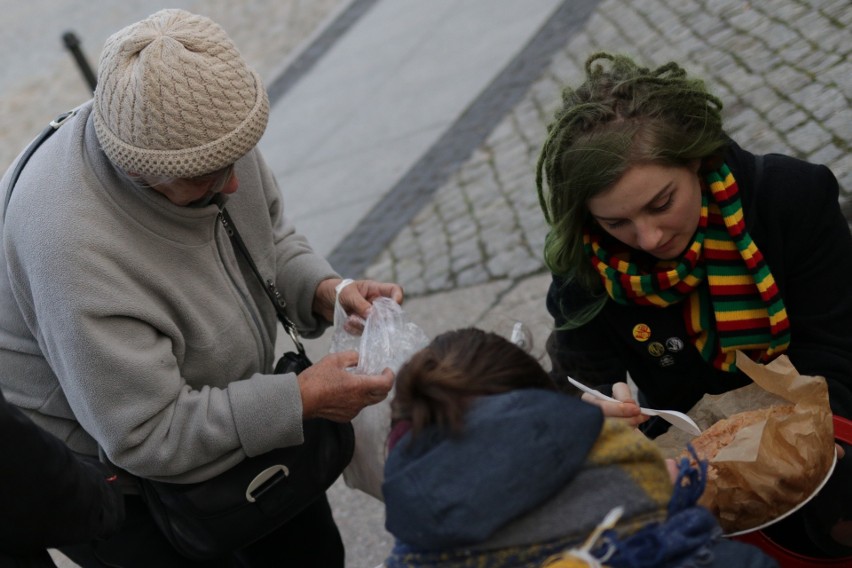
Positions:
(622, 115)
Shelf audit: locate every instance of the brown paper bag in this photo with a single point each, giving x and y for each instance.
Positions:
(772, 466)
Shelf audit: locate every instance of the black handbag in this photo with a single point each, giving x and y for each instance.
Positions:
(247, 502)
(234, 509)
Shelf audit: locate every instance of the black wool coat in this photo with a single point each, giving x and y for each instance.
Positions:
(792, 213)
(49, 496)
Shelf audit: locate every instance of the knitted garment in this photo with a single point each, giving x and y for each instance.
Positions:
(622, 460)
(730, 299)
(175, 98)
(690, 537)
(527, 556)
(687, 532)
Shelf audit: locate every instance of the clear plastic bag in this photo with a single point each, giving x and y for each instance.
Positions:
(386, 339)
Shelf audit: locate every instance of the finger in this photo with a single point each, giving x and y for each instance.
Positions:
(586, 397)
(617, 409)
(392, 291)
(377, 396)
(379, 383)
(354, 325)
(622, 392)
(346, 359)
(372, 290)
(623, 410)
(353, 301)
(636, 421)
(840, 451)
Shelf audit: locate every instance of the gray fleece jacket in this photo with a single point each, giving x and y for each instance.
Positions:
(129, 323)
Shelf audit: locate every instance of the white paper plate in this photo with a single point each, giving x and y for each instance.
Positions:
(794, 509)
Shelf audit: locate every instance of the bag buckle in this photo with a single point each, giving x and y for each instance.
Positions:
(62, 119)
(264, 480)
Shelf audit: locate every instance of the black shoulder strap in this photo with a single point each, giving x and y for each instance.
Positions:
(268, 285)
(28, 153)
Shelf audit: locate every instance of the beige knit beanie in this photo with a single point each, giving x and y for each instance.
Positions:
(175, 98)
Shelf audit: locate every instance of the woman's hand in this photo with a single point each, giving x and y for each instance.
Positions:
(356, 298)
(626, 408)
(330, 391)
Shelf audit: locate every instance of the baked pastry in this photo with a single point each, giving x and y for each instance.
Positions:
(736, 506)
(723, 432)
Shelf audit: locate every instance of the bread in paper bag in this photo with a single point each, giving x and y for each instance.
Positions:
(765, 462)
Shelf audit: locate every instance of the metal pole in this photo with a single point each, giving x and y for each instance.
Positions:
(72, 42)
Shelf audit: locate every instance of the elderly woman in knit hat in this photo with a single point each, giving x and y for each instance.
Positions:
(131, 325)
(672, 248)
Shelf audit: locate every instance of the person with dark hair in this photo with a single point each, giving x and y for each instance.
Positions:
(672, 248)
(146, 255)
(50, 496)
(489, 465)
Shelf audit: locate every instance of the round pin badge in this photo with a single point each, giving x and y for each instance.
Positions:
(656, 349)
(641, 332)
(674, 344)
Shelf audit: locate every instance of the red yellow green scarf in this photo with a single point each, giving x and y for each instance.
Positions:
(730, 299)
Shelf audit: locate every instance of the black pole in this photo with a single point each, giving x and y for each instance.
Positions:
(73, 45)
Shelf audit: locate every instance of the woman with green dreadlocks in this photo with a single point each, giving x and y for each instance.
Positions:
(672, 248)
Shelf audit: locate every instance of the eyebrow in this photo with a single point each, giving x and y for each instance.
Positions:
(658, 195)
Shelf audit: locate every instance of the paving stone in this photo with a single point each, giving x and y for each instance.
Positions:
(817, 62)
(788, 122)
(827, 155)
(841, 126)
(808, 138)
(760, 65)
(789, 11)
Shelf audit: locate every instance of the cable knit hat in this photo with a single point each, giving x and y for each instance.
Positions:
(175, 98)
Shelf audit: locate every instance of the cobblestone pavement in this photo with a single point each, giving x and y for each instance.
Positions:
(782, 68)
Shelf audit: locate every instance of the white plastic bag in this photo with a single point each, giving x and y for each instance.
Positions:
(388, 339)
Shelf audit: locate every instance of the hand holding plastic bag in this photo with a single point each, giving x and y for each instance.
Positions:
(387, 340)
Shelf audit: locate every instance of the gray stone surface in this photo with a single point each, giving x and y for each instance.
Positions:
(468, 251)
(790, 94)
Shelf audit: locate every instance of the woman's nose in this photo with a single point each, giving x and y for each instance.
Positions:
(648, 236)
(231, 185)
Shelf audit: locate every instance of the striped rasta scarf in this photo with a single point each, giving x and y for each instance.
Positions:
(730, 299)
